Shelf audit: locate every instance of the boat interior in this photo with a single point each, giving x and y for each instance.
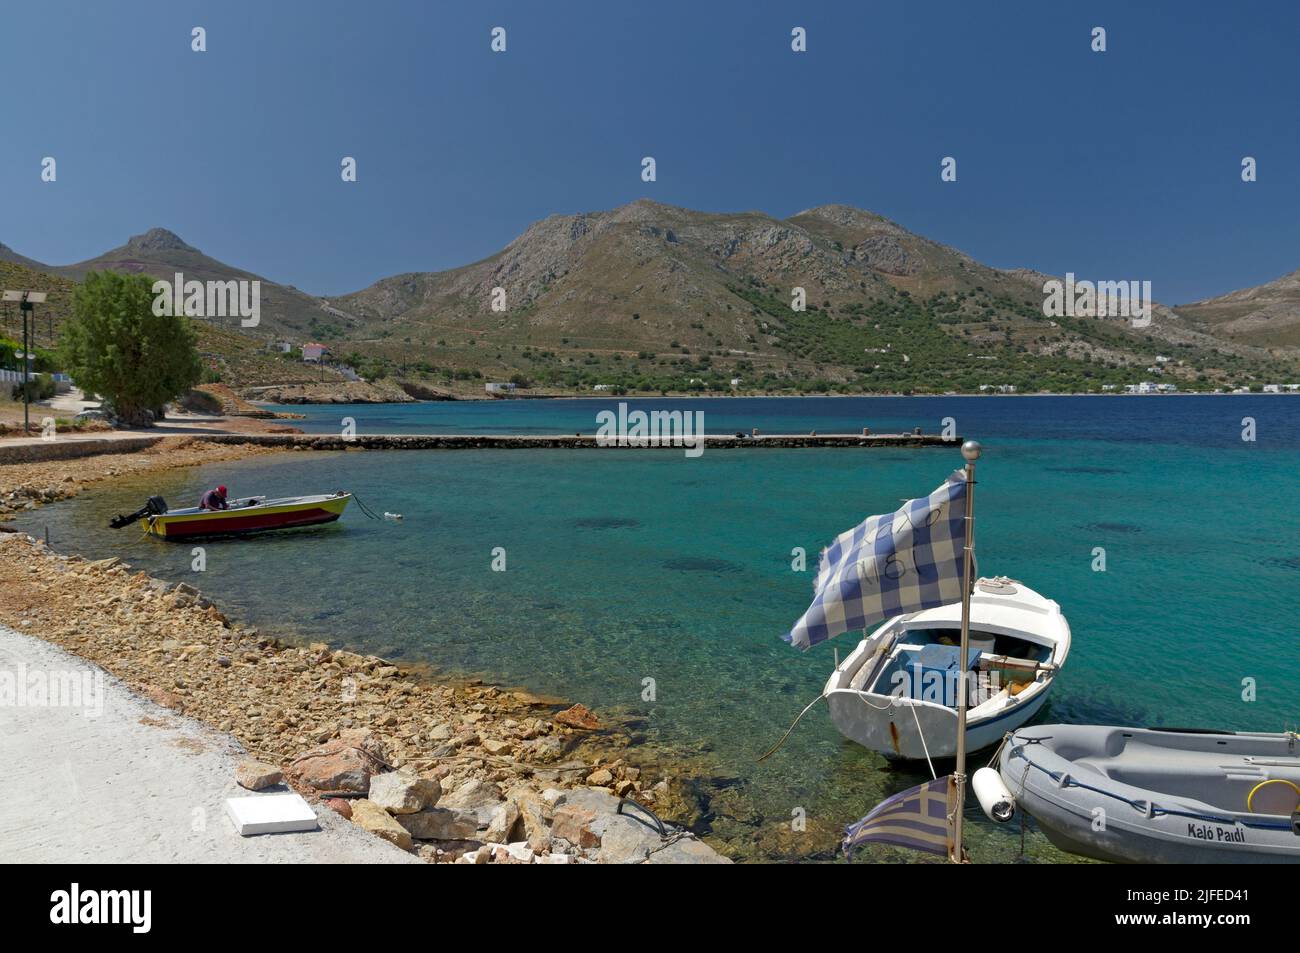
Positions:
(922, 658)
(1236, 773)
(247, 502)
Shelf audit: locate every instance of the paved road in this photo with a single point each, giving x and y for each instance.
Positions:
(138, 783)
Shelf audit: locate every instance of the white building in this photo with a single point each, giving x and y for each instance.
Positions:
(313, 352)
(500, 388)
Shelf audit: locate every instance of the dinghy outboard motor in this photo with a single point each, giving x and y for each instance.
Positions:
(155, 506)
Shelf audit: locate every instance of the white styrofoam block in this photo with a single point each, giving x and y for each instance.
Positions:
(271, 814)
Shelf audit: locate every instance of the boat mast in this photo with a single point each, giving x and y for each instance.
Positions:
(971, 451)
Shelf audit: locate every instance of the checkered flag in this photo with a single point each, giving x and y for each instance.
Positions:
(903, 561)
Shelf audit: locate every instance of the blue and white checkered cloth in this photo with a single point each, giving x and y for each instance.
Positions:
(903, 561)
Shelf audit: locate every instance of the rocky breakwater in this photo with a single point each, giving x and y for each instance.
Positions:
(28, 496)
(456, 771)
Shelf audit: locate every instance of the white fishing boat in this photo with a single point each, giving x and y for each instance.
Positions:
(896, 693)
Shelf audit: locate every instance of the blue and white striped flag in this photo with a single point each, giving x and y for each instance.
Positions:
(920, 818)
(904, 561)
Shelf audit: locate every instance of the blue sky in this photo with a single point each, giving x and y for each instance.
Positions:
(1118, 165)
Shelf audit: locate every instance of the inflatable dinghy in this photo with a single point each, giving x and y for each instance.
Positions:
(1143, 795)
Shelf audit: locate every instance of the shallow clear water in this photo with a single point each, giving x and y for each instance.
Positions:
(623, 565)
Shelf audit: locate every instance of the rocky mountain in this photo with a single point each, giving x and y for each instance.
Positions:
(1266, 315)
(11, 256)
(160, 253)
(650, 297)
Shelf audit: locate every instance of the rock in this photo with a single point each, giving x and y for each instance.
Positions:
(400, 792)
(599, 802)
(553, 859)
(687, 851)
(600, 778)
(519, 853)
(573, 824)
(502, 822)
(472, 795)
(536, 832)
(371, 817)
(339, 805)
(257, 775)
(340, 766)
(544, 750)
(494, 747)
(440, 823)
(624, 840)
(109, 563)
(579, 716)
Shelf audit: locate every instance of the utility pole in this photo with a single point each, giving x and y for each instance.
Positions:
(26, 302)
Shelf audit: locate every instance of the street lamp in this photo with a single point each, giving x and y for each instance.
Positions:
(26, 300)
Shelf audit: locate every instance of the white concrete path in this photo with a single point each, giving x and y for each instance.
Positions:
(138, 783)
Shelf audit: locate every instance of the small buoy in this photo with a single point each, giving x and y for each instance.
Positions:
(392, 516)
(993, 795)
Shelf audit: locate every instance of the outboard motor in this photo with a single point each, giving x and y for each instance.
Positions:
(154, 506)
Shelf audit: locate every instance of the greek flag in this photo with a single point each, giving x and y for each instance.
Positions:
(920, 818)
(904, 561)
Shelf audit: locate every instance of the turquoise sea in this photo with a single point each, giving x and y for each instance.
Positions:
(627, 565)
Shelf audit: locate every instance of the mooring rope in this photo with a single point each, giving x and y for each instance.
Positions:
(364, 509)
(773, 749)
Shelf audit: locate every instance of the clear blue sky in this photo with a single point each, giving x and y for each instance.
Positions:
(1124, 164)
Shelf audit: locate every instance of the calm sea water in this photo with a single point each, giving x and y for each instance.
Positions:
(626, 565)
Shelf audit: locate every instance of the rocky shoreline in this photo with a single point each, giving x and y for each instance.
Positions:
(451, 770)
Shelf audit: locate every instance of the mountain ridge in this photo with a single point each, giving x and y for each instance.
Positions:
(655, 296)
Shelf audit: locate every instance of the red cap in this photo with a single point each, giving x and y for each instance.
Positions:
(221, 490)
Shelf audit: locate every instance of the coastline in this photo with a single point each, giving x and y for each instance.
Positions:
(485, 764)
(781, 396)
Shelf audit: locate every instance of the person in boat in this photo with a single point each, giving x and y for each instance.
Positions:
(214, 500)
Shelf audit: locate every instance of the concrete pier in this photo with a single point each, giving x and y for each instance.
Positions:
(71, 447)
(571, 441)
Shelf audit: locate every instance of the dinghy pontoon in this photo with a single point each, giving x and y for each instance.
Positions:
(897, 692)
(1145, 795)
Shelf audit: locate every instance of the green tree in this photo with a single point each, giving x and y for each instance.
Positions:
(115, 346)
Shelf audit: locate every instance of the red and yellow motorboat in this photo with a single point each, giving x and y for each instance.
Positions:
(249, 515)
